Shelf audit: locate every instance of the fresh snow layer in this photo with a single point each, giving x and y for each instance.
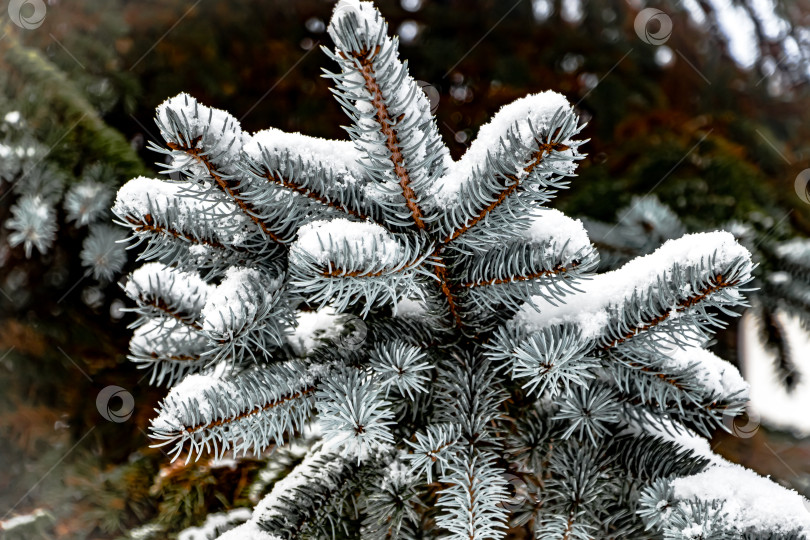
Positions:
(236, 301)
(191, 395)
(311, 326)
(221, 132)
(367, 242)
(369, 20)
(216, 523)
(590, 311)
(408, 307)
(537, 109)
(248, 531)
(679, 434)
(141, 196)
(341, 156)
(190, 391)
(272, 504)
(749, 500)
(184, 290)
(770, 401)
(715, 373)
(552, 227)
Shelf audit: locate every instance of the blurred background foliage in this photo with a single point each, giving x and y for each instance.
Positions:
(713, 137)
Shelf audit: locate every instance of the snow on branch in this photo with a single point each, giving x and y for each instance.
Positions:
(183, 224)
(165, 292)
(393, 126)
(342, 261)
(216, 524)
(308, 173)
(729, 501)
(522, 156)
(170, 350)
(246, 315)
(487, 347)
(309, 500)
(546, 260)
(193, 130)
(243, 412)
(206, 145)
(683, 277)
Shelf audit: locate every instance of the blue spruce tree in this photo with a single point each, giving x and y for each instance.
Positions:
(435, 338)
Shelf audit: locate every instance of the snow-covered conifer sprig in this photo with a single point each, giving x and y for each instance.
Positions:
(392, 124)
(304, 174)
(519, 160)
(487, 348)
(169, 351)
(247, 412)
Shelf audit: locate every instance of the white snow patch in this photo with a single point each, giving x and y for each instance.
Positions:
(365, 241)
(715, 373)
(537, 109)
(248, 531)
(603, 291)
(221, 133)
(553, 227)
(341, 156)
(186, 290)
(12, 117)
(215, 524)
(369, 20)
(407, 307)
(313, 325)
(142, 195)
(236, 300)
(192, 391)
(749, 500)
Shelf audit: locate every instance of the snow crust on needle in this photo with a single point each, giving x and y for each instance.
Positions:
(275, 503)
(340, 156)
(143, 196)
(313, 326)
(549, 226)
(367, 242)
(718, 375)
(236, 300)
(202, 395)
(368, 18)
(612, 289)
(749, 500)
(186, 289)
(537, 109)
(220, 132)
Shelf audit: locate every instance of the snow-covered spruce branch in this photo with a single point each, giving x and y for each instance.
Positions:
(204, 144)
(245, 413)
(521, 157)
(494, 382)
(310, 172)
(392, 124)
(181, 229)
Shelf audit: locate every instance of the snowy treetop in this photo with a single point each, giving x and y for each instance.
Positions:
(443, 328)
